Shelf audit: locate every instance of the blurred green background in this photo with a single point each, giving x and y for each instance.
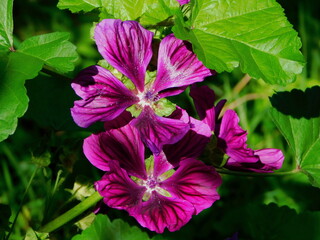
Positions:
(47, 134)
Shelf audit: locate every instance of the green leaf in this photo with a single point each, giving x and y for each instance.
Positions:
(160, 11)
(13, 96)
(254, 34)
(6, 25)
(103, 228)
(53, 49)
(79, 5)
(297, 115)
(126, 10)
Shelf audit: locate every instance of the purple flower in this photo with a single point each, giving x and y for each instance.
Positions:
(127, 47)
(153, 191)
(182, 2)
(231, 138)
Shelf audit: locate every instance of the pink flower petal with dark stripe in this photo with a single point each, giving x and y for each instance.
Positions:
(178, 66)
(194, 182)
(126, 46)
(157, 131)
(123, 145)
(161, 212)
(104, 96)
(118, 189)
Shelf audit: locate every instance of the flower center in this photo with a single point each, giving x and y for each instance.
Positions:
(147, 98)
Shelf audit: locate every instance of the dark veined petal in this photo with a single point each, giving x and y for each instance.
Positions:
(178, 66)
(123, 119)
(161, 212)
(192, 144)
(161, 164)
(232, 139)
(203, 98)
(156, 131)
(270, 159)
(194, 182)
(123, 145)
(118, 189)
(126, 46)
(104, 96)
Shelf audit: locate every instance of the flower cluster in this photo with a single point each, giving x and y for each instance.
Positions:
(165, 188)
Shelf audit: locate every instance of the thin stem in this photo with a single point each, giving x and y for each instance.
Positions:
(241, 84)
(71, 214)
(255, 174)
(21, 203)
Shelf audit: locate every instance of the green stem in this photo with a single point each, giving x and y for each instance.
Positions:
(71, 214)
(255, 174)
(21, 203)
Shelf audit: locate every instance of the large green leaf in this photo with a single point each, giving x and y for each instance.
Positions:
(13, 96)
(126, 10)
(102, 228)
(254, 34)
(297, 115)
(79, 5)
(53, 49)
(160, 11)
(6, 24)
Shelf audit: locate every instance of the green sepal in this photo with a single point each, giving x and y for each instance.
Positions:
(164, 107)
(149, 165)
(126, 81)
(167, 174)
(135, 110)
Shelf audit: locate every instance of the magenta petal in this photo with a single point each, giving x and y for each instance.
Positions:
(178, 66)
(161, 164)
(194, 182)
(123, 119)
(203, 98)
(161, 212)
(123, 145)
(104, 96)
(232, 139)
(271, 158)
(182, 2)
(156, 131)
(126, 46)
(118, 189)
(191, 145)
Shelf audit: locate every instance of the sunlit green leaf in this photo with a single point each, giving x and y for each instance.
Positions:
(79, 5)
(157, 12)
(6, 24)
(126, 10)
(102, 228)
(297, 115)
(13, 96)
(252, 34)
(53, 49)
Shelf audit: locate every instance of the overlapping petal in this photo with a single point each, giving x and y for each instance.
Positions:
(178, 66)
(270, 159)
(191, 145)
(123, 145)
(204, 98)
(194, 182)
(157, 131)
(126, 45)
(232, 139)
(118, 189)
(182, 2)
(161, 212)
(104, 96)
